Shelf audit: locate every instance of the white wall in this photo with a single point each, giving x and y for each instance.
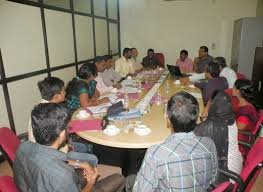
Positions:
(171, 26)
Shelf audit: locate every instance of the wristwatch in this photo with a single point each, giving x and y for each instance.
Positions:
(76, 165)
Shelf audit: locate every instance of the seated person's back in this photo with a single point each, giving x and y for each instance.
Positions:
(150, 61)
(184, 162)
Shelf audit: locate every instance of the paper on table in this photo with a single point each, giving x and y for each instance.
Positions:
(196, 95)
(113, 97)
(100, 108)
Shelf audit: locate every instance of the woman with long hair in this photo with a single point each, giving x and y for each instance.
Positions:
(221, 127)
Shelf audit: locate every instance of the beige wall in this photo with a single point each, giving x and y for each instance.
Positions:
(171, 26)
(260, 8)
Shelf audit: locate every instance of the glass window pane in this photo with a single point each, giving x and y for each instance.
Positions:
(114, 45)
(65, 74)
(24, 94)
(21, 38)
(59, 37)
(82, 6)
(99, 8)
(58, 3)
(101, 37)
(112, 9)
(4, 122)
(84, 37)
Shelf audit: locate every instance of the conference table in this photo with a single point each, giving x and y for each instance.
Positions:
(155, 120)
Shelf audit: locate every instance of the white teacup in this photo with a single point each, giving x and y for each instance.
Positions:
(114, 90)
(177, 82)
(111, 130)
(83, 114)
(129, 78)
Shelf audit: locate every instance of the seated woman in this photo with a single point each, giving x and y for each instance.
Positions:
(244, 106)
(221, 127)
(81, 90)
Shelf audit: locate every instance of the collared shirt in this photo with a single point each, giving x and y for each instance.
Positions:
(136, 65)
(101, 87)
(230, 76)
(201, 64)
(110, 77)
(148, 62)
(124, 66)
(184, 162)
(209, 87)
(39, 168)
(185, 66)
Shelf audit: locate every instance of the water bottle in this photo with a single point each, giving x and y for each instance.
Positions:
(167, 87)
(126, 101)
(139, 87)
(158, 99)
(165, 109)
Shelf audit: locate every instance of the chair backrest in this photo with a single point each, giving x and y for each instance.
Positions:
(8, 144)
(160, 57)
(253, 164)
(240, 76)
(7, 184)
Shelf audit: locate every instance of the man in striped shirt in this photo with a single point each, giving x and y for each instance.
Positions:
(184, 162)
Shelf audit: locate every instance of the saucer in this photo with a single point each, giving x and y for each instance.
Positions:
(78, 116)
(111, 130)
(142, 130)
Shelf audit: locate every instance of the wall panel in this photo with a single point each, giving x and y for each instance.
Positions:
(101, 37)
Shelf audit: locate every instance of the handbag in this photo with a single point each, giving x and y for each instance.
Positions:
(115, 109)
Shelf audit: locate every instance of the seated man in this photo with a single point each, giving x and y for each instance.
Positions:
(226, 72)
(41, 167)
(202, 60)
(101, 65)
(52, 90)
(124, 65)
(150, 62)
(137, 66)
(184, 63)
(110, 77)
(214, 81)
(184, 162)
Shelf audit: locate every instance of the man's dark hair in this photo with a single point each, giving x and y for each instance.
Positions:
(184, 52)
(213, 69)
(221, 61)
(205, 48)
(183, 110)
(87, 70)
(48, 121)
(150, 50)
(125, 50)
(49, 87)
(107, 57)
(98, 59)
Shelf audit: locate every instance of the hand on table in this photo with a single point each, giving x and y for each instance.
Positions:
(117, 86)
(104, 100)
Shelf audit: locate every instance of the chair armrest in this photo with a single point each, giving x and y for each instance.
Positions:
(248, 145)
(232, 175)
(247, 133)
(23, 136)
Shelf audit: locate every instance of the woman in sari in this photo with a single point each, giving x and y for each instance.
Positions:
(221, 127)
(81, 90)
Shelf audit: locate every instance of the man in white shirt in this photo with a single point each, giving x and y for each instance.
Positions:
(110, 77)
(124, 65)
(101, 65)
(225, 71)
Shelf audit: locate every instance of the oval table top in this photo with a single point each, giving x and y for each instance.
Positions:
(155, 120)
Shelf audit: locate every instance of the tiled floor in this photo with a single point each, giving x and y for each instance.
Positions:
(5, 169)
